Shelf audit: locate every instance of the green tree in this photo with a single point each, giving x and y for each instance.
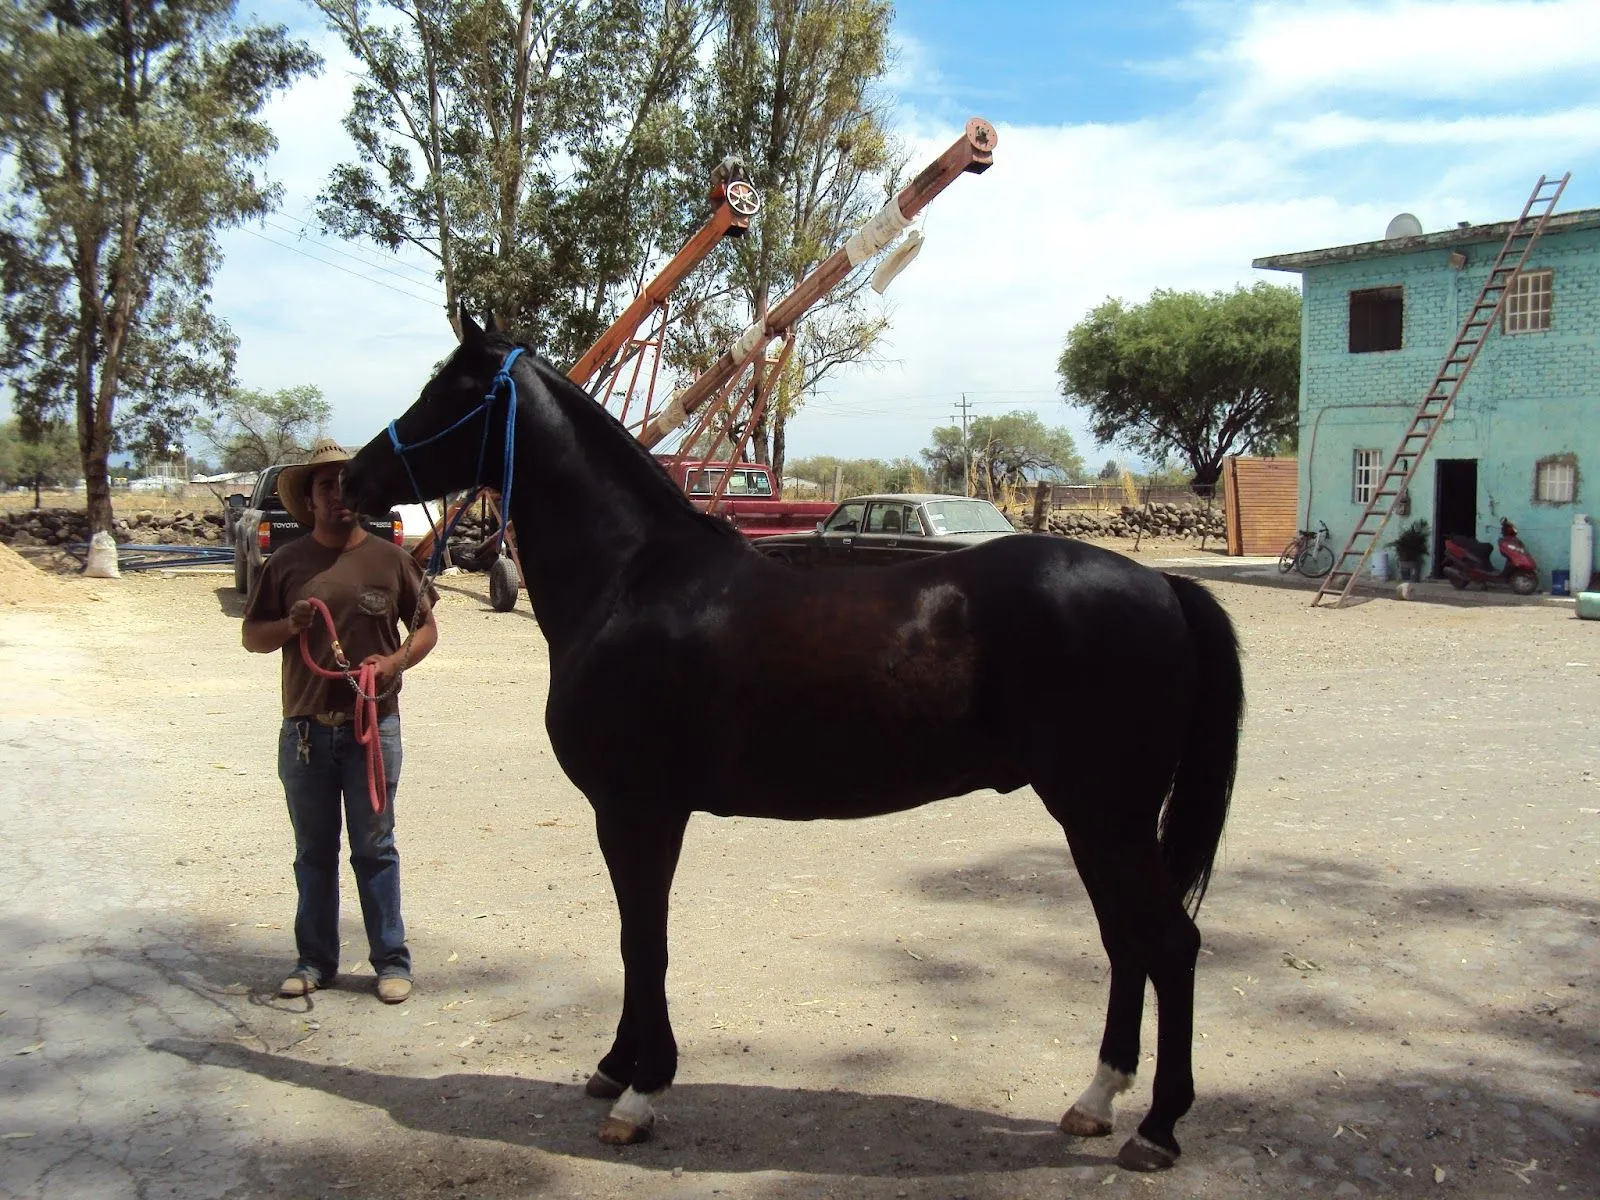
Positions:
(792, 88)
(254, 430)
(947, 460)
(131, 136)
(525, 146)
(44, 455)
(856, 476)
(1009, 451)
(1202, 376)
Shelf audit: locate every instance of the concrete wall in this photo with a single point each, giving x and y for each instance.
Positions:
(1529, 395)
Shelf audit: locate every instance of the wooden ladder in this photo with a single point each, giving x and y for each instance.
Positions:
(1435, 406)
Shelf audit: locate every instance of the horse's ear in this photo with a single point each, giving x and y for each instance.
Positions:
(471, 332)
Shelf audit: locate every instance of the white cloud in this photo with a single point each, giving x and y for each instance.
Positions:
(1067, 216)
(1569, 128)
(1410, 48)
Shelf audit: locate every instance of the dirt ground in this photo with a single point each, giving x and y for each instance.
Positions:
(1397, 994)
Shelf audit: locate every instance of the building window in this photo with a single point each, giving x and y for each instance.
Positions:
(1377, 316)
(1528, 302)
(1368, 466)
(1555, 480)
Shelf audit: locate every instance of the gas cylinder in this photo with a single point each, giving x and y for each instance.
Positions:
(1582, 552)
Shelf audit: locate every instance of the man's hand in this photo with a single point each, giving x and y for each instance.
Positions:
(300, 615)
(388, 667)
(265, 637)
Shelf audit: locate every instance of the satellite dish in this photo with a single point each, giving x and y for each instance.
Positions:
(1403, 225)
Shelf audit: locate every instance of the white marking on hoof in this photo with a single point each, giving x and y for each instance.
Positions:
(1098, 1098)
(1140, 1154)
(630, 1120)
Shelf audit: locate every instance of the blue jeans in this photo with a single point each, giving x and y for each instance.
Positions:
(330, 773)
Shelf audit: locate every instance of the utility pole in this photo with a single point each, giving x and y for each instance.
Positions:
(966, 454)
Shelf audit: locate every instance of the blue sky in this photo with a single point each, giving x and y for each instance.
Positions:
(1142, 145)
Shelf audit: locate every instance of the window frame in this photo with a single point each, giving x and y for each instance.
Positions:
(1520, 314)
(1394, 290)
(1374, 464)
(1562, 467)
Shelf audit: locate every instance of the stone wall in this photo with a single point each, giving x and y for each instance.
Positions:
(1159, 520)
(62, 526)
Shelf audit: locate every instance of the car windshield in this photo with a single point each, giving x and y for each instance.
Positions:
(966, 516)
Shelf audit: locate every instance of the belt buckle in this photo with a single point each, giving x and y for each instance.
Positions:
(331, 720)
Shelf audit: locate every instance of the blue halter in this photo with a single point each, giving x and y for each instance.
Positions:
(502, 379)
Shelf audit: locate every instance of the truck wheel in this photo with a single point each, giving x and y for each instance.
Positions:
(251, 572)
(503, 584)
(241, 579)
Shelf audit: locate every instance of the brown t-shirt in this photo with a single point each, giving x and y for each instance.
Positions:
(368, 589)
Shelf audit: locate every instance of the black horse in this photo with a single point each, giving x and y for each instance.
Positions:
(902, 681)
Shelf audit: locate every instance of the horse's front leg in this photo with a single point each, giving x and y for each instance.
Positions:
(641, 852)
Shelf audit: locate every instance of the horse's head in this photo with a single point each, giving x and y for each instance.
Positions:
(436, 446)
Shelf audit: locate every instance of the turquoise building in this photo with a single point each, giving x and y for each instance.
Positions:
(1377, 321)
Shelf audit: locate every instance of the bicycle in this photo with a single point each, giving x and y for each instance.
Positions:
(1309, 553)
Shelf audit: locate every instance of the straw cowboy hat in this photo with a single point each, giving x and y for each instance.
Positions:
(292, 481)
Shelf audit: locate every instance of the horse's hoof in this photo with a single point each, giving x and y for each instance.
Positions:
(614, 1131)
(1077, 1123)
(602, 1087)
(1140, 1154)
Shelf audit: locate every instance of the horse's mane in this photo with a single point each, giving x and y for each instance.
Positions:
(611, 436)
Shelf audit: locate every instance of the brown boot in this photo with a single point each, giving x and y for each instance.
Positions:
(393, 989)
(299, 983)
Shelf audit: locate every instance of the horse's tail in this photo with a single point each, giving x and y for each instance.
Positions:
(1194, 814)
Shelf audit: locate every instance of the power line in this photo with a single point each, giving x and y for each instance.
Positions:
(322, 244)
(429, 300)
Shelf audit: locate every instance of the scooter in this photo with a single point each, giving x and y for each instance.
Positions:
(1466, 560)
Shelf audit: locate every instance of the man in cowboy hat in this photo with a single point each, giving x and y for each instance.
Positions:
(368, 584)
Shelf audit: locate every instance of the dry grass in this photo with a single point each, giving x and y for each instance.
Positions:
(196, 498)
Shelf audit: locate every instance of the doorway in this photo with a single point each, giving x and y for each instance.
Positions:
(1455, 503)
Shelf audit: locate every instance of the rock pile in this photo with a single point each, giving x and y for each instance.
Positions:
(1159, 520)
(60, 526)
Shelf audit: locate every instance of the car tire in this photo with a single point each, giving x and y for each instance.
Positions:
(503, 584)
(241, 575)
(251, 574)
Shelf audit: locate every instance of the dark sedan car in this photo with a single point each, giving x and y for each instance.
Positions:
(882, 530)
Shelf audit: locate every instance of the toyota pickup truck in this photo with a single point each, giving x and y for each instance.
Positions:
(260, 526)
(749, 501)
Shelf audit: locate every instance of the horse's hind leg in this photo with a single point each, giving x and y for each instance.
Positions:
(1091, 1115)
(1147, 934)
(641, 856)
(1148, 927)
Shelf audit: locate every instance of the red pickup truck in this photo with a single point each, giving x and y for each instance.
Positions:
(749, 500)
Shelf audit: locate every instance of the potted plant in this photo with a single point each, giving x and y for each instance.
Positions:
(1411, 549)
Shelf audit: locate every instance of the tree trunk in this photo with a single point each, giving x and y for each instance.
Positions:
(779, 445)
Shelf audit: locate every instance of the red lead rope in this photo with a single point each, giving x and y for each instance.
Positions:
(365, 681)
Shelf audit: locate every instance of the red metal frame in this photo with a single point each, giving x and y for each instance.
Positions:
(734, 203)
(971, 153)
(718, 389)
